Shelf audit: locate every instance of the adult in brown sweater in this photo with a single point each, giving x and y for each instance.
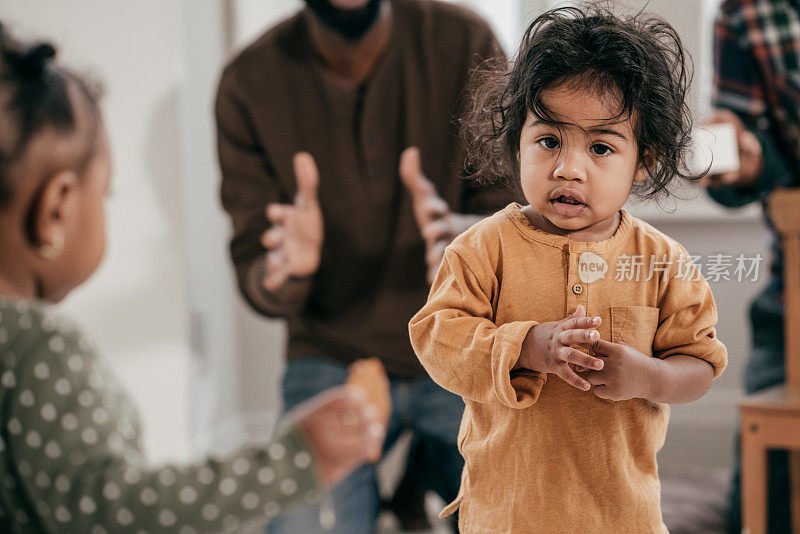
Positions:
(340, 158)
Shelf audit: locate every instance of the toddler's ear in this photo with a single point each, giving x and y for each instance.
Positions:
(54, 208)
(648, 161)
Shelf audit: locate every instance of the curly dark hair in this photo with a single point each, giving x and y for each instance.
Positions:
(639, 59)
(34, 96)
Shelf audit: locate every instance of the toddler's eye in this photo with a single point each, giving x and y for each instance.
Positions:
(601, 150)
(549, 142)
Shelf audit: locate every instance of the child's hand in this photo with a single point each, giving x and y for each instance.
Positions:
(548, 347)
(342, 430)
(295, 238)
(627, 373)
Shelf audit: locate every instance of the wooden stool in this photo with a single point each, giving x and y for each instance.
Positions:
(770, 419)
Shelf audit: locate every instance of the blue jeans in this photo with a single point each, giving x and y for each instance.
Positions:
(418, 404)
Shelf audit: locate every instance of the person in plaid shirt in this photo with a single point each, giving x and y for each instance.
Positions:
(757, 89)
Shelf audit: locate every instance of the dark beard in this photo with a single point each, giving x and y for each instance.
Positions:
(352, 24)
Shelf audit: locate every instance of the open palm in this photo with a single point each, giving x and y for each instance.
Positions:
(295, 239)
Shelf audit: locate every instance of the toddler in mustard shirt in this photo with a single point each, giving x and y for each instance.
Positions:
(567, 325)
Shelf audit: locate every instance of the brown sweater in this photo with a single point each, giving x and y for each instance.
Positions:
(541, 455)
(274, 100)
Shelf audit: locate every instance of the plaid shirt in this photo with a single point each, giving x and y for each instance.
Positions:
(757, 76)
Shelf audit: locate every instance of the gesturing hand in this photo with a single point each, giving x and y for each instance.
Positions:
(548, 347)
(627, 373)
(342, 431)
(295, 239)
(437, 224)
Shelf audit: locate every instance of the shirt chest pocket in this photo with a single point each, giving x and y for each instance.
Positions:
(635, 326)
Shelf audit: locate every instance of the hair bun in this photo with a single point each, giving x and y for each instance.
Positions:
(30, 62)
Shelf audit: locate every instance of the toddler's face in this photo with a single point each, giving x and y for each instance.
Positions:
(91, 224)
(85, 239)
(577, 175)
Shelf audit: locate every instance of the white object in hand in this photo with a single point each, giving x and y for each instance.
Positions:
(714, 149)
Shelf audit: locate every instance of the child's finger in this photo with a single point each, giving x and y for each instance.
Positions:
(274, 237)
(595, 378)
(602, 347)
(602, 392)
(580, 311)
(582, 322)
(584, 360)
(575, 336)
(570, 377)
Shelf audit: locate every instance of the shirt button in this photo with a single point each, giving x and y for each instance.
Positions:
(577, 289)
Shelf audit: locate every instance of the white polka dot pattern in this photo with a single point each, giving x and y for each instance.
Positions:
(148, 496)
(41, 371)
(266, 475)
(187, 495)
(227, 486)
(48, 412)
(288, 486)
(240, 466)
(210, 511)
(111, 491)
(87, 505)
(73, 423)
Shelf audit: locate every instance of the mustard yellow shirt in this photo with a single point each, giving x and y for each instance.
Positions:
(542, 456)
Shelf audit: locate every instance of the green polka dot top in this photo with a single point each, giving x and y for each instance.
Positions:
(70, 451)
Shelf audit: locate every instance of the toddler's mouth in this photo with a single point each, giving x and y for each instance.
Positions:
(568, 200)
(567, 203)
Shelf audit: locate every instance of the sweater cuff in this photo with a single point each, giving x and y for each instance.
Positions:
(294, 292)
(523, 389)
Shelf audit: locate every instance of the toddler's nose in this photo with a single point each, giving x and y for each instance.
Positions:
(570, 166)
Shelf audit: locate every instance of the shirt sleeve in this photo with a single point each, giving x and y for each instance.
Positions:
(79, 462)
(738, 87)
(687, 319)
(248, 185)
(462, 349)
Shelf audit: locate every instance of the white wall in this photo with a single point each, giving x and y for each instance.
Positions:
(135, 306)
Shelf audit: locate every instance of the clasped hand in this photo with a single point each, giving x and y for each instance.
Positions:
(617, 371)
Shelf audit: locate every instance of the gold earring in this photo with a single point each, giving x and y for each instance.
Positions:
(54, 249)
